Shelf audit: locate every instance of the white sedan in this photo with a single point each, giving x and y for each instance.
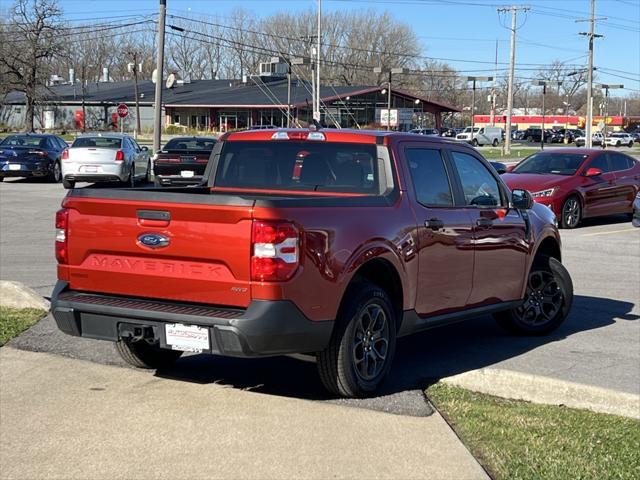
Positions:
(619, 139)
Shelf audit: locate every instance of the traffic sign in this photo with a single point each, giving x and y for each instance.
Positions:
(123, 110)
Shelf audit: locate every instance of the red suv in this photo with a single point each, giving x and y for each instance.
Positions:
(577, 183)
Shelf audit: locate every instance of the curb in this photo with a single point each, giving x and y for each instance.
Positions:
(18, 295)
(550, 391)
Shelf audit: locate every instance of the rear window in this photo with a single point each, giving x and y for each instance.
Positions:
(97, 142)
(299, 166)
(24, 141)
(204, 144)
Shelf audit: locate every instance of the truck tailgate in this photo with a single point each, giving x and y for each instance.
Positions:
(205, 259)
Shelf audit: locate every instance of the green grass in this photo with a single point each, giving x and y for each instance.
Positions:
(520, 440)
(14, 321)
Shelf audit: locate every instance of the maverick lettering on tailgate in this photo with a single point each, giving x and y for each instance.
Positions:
(169, 268)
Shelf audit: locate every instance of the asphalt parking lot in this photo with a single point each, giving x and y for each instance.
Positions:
(598, 345)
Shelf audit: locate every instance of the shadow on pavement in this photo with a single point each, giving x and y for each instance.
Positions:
(420, 359)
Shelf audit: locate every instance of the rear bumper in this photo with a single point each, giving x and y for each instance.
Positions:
(264, 328)
(28, 170)
(178, 180)
(103, 172)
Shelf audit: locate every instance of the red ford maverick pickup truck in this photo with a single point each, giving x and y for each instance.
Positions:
(330, 242)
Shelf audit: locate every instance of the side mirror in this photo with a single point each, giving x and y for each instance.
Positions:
(145, 149)
(510, 168)
(499, 167)
(593, 172)
(521, 199)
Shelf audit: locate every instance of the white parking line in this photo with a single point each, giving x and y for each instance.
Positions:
(608, 232)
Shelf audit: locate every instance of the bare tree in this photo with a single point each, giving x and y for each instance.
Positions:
(31, 38)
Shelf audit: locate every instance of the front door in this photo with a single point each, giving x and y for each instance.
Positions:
(444, 241)
(600, 190)
(499, 233)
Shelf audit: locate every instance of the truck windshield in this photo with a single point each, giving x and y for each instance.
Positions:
(553, 163)
(299, 166)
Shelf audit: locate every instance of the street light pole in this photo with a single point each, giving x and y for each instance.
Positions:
(391, 72)
(606, 87)
(473, 99)
(543, 84)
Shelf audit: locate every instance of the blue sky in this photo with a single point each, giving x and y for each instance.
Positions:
(462, 31)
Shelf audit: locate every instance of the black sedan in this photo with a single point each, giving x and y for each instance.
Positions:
(31, 155)
(182, 161)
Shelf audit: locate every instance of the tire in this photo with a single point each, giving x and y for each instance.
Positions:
(56, 175)
(571, 212)
(144, 355)
(530, 139)
(630, 145)
(618, 143)
(1, 179)
(547, 300)
(130, 181)
(495, 142)
(68, 184)
(147, 177)
(354, 338)
(157, 183)
(474, 142)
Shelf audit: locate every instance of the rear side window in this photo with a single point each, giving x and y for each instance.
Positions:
(97, 142)
(620, 161)
(479, 186)
(429, 175)
(299, 166)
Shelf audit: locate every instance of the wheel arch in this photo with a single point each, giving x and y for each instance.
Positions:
(550, 247)
(382, 273)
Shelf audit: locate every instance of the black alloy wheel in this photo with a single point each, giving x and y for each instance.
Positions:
(546, 303)
(571, 213)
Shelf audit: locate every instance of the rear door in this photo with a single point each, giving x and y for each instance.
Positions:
(174, 246)
(627, 180)
(445, 242)
(499, 233)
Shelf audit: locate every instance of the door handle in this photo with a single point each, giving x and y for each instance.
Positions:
(484, 222)
(434, 224)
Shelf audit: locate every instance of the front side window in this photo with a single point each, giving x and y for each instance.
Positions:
(479, 186)
(429, 176)
(600, 162)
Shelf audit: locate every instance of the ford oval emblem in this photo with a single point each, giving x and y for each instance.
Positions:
(153, 240)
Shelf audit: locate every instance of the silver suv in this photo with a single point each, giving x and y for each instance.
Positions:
(104, 157)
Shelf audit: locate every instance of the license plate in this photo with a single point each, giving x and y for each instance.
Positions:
(188, 338)
(13, 166)
(91, 169)
(187, 173)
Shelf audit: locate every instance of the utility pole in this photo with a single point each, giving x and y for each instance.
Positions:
(473, 100)
(316, 113)
(543, 84)
(591, 35)
(134, 54)
(606, 88)
(512, 63)
(391, 72)
(157, 112)
(493, 90)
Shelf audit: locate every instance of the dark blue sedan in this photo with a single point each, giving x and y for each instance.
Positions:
(32, 155)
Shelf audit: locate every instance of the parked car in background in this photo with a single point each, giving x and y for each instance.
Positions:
(618, 139)
(182, 161)
(32, 155)
(532, 135)
(481, 136)
(577, 183)
(596, 139)
(554, 136)
(450, 132)
(104, 157)
(328, 242)
(499, 167)
(517, 134)
(425, 131)
(635, 136)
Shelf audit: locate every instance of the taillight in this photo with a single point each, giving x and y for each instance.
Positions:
(62, 224)
(65, 154)
(275, 251)
(40, 153)
(119, 156)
